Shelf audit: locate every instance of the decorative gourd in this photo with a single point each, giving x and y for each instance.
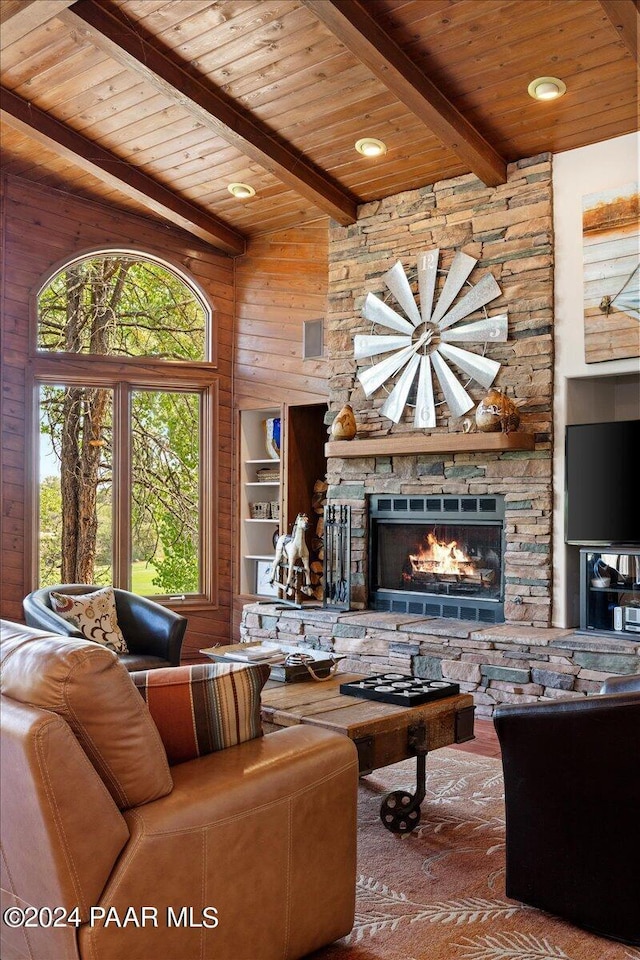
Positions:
(344, 426)
(497, 412)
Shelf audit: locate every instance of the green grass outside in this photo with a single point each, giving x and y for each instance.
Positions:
(142, 573)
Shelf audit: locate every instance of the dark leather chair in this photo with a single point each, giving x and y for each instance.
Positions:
(153, 633)
(572, 796)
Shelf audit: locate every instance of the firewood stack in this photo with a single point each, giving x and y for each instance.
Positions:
(317, 543)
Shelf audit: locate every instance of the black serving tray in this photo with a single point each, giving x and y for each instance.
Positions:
(404, 691)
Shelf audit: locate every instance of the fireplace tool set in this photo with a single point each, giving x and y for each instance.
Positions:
(337, 556)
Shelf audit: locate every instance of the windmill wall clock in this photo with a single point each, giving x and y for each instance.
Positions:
(424, 340)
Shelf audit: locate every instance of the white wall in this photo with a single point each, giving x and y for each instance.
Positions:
(583, 392)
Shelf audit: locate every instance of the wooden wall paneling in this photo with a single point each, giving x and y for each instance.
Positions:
(39, 228)
(294, 36)
(225, 117)
(201, 29)
(625, 18)
(487, 68)
(585, 93)
(280, 282)
(125, 177)
(37, 52)
(52, 171)
(290, 269)
(19, 16)
(346, 82)
(278, 60)
(450, 40)
(96, 79)
(263, 85)
(358, 28)
(158, 142)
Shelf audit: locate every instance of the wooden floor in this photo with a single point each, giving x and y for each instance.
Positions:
(485, 743)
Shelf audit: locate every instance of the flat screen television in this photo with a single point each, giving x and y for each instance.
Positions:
(602, 490)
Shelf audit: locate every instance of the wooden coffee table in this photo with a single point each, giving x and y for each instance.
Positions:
(383, 733)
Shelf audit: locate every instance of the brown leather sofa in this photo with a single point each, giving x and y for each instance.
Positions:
(572, 796)
(154, 634)
(247, 853)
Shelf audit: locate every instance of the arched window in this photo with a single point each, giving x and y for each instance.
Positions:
(125, 405)
(118, 304)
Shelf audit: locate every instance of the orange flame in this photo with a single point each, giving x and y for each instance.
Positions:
(441, 558)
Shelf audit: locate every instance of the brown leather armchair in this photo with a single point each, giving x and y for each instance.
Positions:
(572, 796)
(153, 633)
(247, 853)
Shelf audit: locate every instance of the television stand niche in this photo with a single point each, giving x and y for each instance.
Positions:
(610, 590)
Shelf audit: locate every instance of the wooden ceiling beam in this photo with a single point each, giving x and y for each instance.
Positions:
(352, 24)
(110, 169)
(19, 17)
(219, 113)
(625, 17)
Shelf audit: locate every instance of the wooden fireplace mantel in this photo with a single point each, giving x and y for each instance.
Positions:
(413, 443)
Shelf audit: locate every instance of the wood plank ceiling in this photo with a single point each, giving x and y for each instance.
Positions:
(156, 106)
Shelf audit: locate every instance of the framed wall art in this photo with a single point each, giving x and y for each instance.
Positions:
(611, 256)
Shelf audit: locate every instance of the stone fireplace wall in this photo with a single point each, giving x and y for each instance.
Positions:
(508, 229)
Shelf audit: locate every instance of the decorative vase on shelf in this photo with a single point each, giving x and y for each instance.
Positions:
(497, 412)
(344, 426)
(272, 437)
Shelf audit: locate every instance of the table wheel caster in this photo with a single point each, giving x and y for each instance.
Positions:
(400, 811)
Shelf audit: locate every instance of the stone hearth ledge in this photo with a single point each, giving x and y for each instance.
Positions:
(504, 663)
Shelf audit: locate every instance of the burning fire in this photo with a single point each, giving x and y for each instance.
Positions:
(441, 558)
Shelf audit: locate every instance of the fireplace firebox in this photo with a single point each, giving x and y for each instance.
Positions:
(440, 556)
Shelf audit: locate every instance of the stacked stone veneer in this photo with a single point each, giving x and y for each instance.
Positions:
(498, 664)
(509, 230)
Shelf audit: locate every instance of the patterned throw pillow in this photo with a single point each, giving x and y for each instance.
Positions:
(205, 707)
(94, 614)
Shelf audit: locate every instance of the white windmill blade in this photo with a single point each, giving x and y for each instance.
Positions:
(482, 293)
(482, 369)
(394, 404)
(459, 270)
(489, 328)
(377, 311)
(425, 415)
(374, 377)
(455, 394)
(427, 274)
(371, 345)
(396, 280)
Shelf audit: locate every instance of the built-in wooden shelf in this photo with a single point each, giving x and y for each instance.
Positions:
(413, 443)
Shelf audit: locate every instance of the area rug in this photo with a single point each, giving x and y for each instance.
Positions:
(438, 893)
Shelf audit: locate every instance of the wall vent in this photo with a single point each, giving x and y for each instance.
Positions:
(312, 339)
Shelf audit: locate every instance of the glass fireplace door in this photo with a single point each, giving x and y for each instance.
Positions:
(456, 559)
(448, 564)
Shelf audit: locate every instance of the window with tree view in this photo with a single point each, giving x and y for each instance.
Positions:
(125, 436)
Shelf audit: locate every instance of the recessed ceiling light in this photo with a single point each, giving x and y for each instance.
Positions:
(242, 191)
(370, 147)
(546, 88)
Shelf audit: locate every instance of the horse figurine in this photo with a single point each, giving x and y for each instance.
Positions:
(292, 548)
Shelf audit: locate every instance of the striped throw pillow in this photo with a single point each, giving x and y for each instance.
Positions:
(205, 707)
